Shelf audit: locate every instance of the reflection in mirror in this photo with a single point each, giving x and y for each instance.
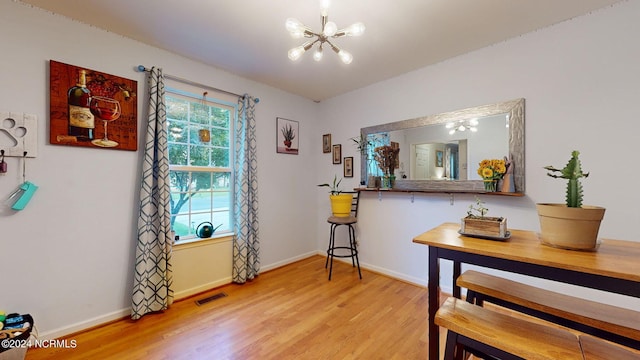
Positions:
(448, 151)
(442, 152)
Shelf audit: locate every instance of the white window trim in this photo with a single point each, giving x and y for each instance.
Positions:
(233, 107)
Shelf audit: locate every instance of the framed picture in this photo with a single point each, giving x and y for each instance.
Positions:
(92, 109)
(348, 166)
(326, 143)
(287, 132)
(439, 158)
(337, 154)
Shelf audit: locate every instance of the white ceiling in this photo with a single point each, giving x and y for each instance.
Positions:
(248, 37)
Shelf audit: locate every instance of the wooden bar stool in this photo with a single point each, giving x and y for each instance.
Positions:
(349, 221)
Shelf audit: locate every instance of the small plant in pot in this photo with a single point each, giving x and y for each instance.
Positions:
(340, 203)
(288, 134)
(478, 225)
(572, 225)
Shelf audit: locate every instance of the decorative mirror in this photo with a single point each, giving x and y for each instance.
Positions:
(441, 153)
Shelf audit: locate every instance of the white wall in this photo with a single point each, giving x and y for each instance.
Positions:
(68, 257)
(580, 81)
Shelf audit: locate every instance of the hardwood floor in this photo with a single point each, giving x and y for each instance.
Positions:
(292, 312)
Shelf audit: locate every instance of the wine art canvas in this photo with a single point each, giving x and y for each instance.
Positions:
(92, 109)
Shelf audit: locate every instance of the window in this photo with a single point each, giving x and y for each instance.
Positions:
(200, 171)
(373, 141)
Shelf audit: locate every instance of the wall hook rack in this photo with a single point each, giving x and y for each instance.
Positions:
(18, 134)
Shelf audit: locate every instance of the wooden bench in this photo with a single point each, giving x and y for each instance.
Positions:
(490, 334)
(616, 324)
(598, 349)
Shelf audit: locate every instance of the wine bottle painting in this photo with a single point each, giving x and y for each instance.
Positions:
(92, 109)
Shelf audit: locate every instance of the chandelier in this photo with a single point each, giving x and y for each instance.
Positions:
(462, 126)
(329, 30)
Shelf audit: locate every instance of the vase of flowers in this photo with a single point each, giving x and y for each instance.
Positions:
(492, 170)
(387, 157)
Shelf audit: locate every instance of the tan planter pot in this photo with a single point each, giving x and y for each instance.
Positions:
(341, 204)
(570, 228)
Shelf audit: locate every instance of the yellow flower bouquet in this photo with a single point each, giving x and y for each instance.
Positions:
(492, 170)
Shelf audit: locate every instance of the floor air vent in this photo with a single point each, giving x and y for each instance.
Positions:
(210, 298)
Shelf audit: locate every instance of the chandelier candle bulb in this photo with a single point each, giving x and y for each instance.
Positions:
(317, 56)
(330, 29)
(356, 29)
(294, 26)
(324, 7)
(296, 53)
(346, 57)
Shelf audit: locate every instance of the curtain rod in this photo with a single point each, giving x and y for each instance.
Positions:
(142, 68)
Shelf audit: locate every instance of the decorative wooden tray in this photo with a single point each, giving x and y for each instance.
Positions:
(507, 235)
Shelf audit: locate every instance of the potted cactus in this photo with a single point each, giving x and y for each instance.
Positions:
(571, 225)
(340, 203)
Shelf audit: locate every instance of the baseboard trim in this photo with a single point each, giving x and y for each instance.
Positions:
(395, 275)
(85, 325)
(384, 271)
(287, 261)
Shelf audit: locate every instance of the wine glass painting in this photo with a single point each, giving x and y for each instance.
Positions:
(107, 110)
(92, 109)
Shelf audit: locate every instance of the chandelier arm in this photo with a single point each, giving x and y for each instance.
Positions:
(309, 34)
(340, 33)
(310, 44)
(333, 47)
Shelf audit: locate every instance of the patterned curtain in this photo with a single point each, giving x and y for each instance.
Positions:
(152, 278)
(246, 246)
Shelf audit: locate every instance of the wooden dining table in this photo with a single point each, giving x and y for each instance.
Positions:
(614, 266)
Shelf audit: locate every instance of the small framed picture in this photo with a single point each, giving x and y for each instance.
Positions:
(348, 166)
(337, 154)
(438, 158)
(326, 143)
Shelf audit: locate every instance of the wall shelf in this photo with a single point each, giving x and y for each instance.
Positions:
(451, 193)
(497, 193)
